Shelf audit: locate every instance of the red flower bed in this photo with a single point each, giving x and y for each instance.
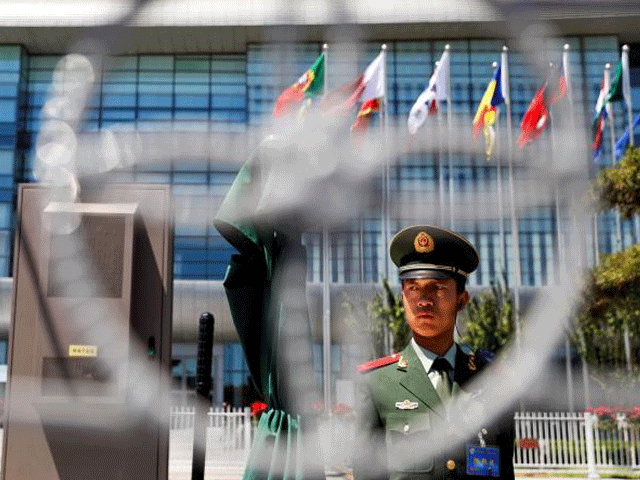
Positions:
(609, 414)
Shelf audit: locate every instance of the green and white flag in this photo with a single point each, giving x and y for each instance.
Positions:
(616, 91)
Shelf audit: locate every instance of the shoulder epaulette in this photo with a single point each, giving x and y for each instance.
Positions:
(379, 362)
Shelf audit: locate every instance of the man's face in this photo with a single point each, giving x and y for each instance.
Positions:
(431, 305)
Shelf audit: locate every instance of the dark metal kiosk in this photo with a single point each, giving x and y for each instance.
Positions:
(89, 353)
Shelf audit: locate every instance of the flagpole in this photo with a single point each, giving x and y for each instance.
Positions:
(626, 94)
(515, 244)
(561, 269)
(447, 48)
(561, 258)
(626, 88)
(572, 125)
(560, 252)
(572, 128)
(607, 81)
(596, 236)
(627, 347)
(386, 181)
(440, 168)
(567, 76)
(326, 291)
(503, 256)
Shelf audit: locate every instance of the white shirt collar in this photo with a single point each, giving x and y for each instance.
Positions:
(427, 356)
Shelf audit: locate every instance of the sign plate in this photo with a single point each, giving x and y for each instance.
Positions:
(483, 460)
(83, 350)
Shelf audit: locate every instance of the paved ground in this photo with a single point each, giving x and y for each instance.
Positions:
(220, 463)
(225, 464)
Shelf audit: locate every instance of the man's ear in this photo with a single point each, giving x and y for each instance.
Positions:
(463, 299)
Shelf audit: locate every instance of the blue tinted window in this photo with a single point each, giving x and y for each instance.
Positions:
(228, 92)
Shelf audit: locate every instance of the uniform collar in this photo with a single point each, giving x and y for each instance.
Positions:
(427, 357)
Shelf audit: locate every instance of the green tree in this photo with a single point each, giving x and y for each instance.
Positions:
(619, 186)
(377, 318)
(488, 319)
(611, 302)
(387, 308)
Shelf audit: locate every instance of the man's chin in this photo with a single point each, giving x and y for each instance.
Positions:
(429, 334)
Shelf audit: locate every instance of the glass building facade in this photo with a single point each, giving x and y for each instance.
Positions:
(232, 93)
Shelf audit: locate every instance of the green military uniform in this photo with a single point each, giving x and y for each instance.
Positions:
(401, 414)
(393, 428)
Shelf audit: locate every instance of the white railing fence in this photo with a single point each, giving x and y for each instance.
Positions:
(559, 440)
(228, 429)
(554, 440)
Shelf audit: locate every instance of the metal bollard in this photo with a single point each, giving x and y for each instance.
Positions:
(203, 387)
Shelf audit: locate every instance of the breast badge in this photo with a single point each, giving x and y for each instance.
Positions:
(406, 405)
(402, 363)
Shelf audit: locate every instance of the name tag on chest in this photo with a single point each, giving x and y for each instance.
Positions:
(483, 461)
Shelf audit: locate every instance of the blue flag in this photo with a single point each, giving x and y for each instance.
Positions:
(623, 141)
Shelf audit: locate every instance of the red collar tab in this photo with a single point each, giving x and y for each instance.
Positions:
(379, 362)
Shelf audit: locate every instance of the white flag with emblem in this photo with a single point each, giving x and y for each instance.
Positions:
(436, 91)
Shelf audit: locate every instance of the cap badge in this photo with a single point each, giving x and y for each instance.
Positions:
(423, 243)
(406, 405)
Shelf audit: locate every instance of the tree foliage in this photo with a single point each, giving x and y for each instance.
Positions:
(386, 307)
(619, 186)
(611, 305)
(611, 302)
(378, 318)
(488, 319)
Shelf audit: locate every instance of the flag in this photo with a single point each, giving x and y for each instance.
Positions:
(374, 83)
(602, 110)
(535, 118)
(598, 128)
(621, 87)
(364, 115)
(616, 90)
(427, 102)
(557, 84)
(485, 116)
(369, 88)
(623, 141)
(370, 92)
(343, 98)
(310, 83)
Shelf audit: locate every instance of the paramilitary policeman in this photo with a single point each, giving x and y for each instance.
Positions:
(407, 428)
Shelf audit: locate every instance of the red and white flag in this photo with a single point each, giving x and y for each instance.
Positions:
(370, 92)
(535, 118)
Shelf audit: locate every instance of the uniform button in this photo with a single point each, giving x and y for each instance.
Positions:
(406, 428)
(451, 465)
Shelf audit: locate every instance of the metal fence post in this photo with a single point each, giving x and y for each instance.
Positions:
(203, 387)
(247, 431)
(592, 473)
